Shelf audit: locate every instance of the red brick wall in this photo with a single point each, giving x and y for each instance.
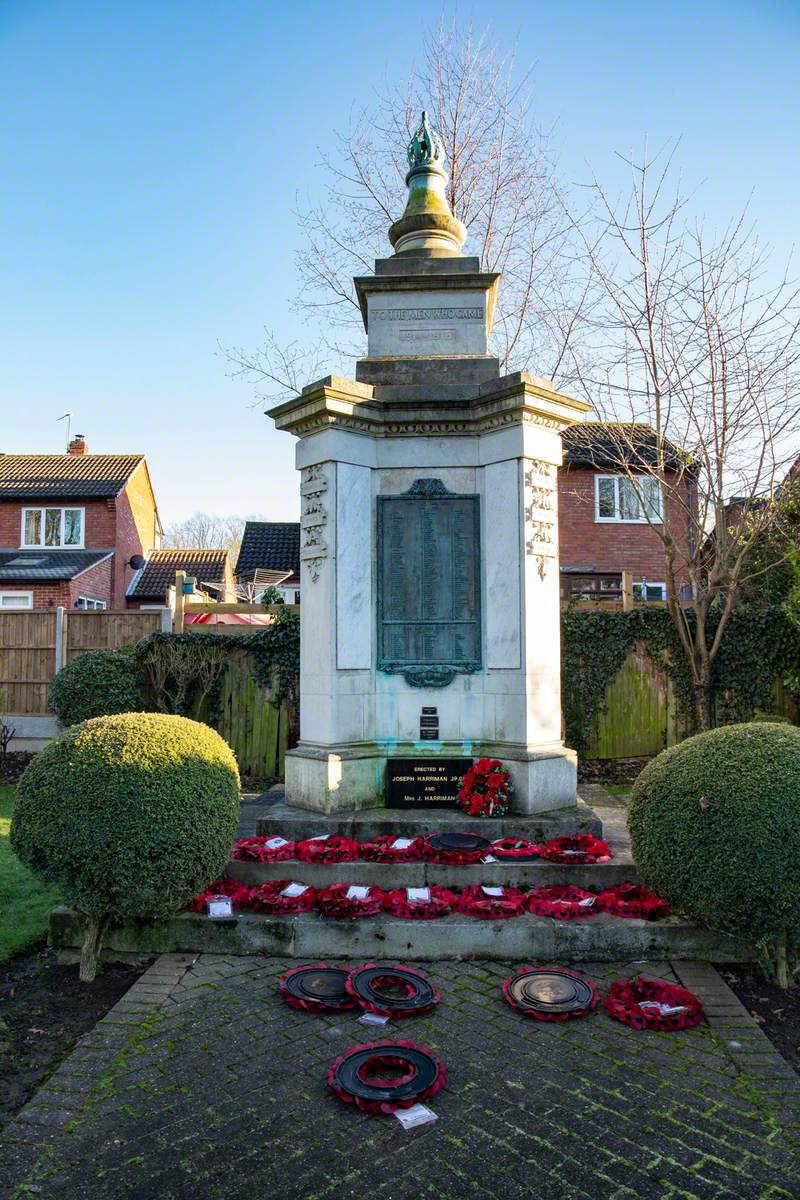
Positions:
(96, 582)
(608, 546)
(136, 529)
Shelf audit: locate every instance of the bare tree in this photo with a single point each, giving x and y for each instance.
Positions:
(205, 531)
(502, 186)
(699, 340)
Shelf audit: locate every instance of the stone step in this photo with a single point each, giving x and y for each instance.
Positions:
(417, 874)
(311, 936)
(298, 823)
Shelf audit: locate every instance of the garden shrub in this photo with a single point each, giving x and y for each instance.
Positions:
(715, 830)
(130, 815)
(96, 684)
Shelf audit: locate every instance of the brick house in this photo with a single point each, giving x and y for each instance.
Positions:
(601, 526)
(69, 526)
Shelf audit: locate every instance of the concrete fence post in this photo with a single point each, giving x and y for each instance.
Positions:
(60, 639)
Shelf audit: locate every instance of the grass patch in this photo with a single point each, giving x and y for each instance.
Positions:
(24, 901)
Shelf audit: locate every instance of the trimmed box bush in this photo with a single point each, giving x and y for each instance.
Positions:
(715, 830)
(130, 815)
(96, 684)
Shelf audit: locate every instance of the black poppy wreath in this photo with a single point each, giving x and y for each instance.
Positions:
(281, 896)
(531, 991)
(435, 849)
(391, 849)
(383, 1077)
(263, 849)
(350, 900)
(419, 904)
(491, 903)
(652, 1004)
(238, 893)
(317, 988)
(563, 903)
(581, 848)
(327, 848)
(633, 900)
(486, 789)
(392, 990)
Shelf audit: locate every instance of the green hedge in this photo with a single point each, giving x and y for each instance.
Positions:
(715, 830)
(96, 684)
(129, 815)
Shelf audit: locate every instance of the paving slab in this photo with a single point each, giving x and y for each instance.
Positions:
(220, 1094)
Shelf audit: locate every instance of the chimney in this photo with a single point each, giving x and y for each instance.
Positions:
(77, 445)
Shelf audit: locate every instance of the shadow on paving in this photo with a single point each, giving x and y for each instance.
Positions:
(218, 1092)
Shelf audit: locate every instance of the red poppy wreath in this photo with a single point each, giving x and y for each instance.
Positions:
(511, 849)
(633, 900)
(491, 903)
(486, 789)
(564, 903)
(581, 848)
(651, 1004)
(281, 896)
(419, 904)
(327, 849)
(263, 849)
(238, 893)
(350, 900)
(392, 849)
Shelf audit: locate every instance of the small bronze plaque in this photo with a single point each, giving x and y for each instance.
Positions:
(424, 782)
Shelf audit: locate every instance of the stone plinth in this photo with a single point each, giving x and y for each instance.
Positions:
(501, 446)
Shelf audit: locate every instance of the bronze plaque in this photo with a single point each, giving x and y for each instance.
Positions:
(429, 584)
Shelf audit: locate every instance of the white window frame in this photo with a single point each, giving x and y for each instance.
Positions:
(27, 596)
(649, 583)
(617, 519)
(90, 604)
(52, 508)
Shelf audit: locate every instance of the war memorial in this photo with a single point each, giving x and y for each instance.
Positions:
(430, 632)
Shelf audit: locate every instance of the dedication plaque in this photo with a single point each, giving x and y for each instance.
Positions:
(424, 782)
(429, 596)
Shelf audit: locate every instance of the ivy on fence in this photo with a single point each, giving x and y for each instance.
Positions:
(760, 646)
(185, 671)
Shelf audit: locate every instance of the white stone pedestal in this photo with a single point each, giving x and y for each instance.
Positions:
(502, 445)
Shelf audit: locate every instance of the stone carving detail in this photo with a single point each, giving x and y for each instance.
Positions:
(428, 487)
(313, 519)
(427, 314)
(541, 536)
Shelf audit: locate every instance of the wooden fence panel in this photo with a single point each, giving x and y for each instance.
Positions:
(254, 728)
(27, 660)
(107, 630)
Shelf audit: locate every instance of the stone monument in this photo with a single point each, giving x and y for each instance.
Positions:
(429, 539)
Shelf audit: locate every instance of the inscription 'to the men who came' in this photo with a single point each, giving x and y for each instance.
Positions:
(428, 314)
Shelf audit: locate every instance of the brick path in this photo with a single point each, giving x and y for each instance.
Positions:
(201, 1084)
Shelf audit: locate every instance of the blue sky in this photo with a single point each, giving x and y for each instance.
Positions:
(152, 151)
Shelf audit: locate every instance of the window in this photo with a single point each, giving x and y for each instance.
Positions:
(617, 498)
(649, 591)
(10, 600)
(57, 527)
(89, 602)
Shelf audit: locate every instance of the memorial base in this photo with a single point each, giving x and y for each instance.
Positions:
(329, 779)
